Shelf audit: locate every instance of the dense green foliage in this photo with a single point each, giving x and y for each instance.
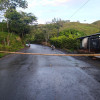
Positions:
(3, 27)
(72, 32)
(64, 34)
(67, 39)
(18, 22)
(64, 42)
(10, 42)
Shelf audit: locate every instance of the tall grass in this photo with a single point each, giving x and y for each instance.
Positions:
(10, 42)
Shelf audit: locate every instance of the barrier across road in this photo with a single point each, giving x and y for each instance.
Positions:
(49, 54)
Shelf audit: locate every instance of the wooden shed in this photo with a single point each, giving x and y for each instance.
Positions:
(90, 43)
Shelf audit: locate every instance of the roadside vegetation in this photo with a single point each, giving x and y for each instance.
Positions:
(10, 42)
(63, 34)
(15, 26)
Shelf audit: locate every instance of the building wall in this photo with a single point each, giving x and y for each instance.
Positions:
(85, 43)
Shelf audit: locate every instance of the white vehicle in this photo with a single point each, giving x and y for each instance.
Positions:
(28, 45)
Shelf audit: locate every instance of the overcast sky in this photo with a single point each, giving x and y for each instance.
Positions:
(46, 10)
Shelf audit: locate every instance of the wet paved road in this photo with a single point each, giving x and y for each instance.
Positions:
(28, 77)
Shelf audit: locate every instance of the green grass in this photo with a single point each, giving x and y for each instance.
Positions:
(88, 29)
(1, 55)
(10, 42)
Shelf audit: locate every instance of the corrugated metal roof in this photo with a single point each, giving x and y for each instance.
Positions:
(89, 36)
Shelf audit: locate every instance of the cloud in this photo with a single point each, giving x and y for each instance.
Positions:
(41, 21)
(53, 2)
(35, 3)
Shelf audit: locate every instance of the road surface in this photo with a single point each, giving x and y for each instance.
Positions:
(28, 77)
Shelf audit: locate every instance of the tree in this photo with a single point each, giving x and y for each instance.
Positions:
(57, 24)
(27, 18)
(19, 21)
(5, 4)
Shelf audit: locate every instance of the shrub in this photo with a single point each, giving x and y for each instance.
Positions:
(10, 42)
(64, 42)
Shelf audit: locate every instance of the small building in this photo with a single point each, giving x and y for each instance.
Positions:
(90, 43)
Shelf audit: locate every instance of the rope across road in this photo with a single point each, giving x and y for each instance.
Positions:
(49, 54)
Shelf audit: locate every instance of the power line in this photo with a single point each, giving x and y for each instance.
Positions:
(80, 8)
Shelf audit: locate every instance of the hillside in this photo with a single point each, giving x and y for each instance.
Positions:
(10, 42)
(88, 29)
(97, 24)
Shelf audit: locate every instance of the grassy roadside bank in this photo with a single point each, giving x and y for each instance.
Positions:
(10, 42)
